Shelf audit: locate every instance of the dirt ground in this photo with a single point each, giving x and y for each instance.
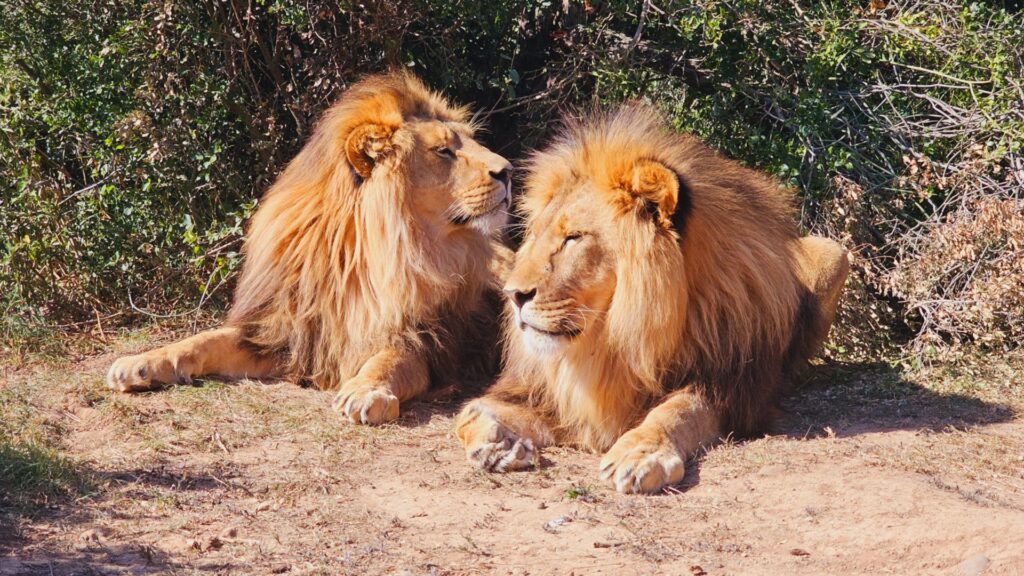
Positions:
(872, 471)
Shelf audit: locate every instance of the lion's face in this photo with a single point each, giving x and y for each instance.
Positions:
(564, 273)
(453, 181)
(582, 233)
(457, 181)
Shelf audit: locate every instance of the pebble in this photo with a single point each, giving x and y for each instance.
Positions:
(973, 565)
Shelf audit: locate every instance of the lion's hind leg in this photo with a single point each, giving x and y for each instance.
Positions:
(823, 267)
(218, 352)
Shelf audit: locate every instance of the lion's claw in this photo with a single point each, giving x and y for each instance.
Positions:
(373, 405)
(639, 466)
(491, 445)
(505, 455)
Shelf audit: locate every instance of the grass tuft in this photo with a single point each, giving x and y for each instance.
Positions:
(33, 469)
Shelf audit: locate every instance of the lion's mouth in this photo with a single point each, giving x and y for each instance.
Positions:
(567, 333)
(501, 206)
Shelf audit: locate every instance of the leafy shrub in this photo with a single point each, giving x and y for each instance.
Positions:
(138, 135)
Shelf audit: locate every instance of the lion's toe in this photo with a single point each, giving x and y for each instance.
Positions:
(130, 374)
(491, 445)
(504, 456)
(643, 468)
(367, 406)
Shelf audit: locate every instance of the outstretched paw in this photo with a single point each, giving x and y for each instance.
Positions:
(132, 374)
(641, 463)
(503, 456)
(366, 404)
(491, 445)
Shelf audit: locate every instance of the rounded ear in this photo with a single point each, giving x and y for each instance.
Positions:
(365, 145)
(657, 186)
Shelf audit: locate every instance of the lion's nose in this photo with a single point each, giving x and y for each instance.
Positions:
(520, 297)
(503, 175)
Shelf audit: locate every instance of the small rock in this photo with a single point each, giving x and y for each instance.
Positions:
(213, 543)
(973, 565)
(264, 506)
(542, 506)
(553, 525)
(229, 532)
(91, 536)
(91, 539)
(194, 544)
(799, 552)
(697, 570)
(281, 568)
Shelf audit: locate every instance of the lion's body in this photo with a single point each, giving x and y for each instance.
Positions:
(331, 276)
(686, 303)
(354, 274)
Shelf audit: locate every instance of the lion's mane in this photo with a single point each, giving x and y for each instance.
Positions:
(336, 267)
(716, 302)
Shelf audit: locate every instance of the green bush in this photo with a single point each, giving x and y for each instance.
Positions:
(137, 136)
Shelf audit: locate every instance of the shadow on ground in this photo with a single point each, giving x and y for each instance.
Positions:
(92, 553)
(859, 398)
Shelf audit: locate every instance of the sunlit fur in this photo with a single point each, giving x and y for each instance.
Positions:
(337, 268)
(370, 256)
(714, 299)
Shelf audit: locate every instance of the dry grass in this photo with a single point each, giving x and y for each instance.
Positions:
(250, 477)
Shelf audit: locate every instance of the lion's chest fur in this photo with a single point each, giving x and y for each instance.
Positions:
(595, 399)
(332, 288)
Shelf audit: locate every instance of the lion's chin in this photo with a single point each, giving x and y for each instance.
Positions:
(544, 344)
(492, 222)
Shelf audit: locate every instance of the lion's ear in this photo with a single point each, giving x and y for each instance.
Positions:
(657, 186)
(365, 145)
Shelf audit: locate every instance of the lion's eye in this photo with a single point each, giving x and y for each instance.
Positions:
(445, 151)
(572, 238)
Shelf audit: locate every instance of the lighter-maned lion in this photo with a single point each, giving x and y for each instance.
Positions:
(662, 298)
(368, 262)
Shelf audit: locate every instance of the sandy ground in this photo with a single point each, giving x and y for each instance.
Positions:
(869, 473)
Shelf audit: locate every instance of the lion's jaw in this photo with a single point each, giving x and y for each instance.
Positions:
(543, 343)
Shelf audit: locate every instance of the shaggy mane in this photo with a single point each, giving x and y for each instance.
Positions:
(336, 266)
(714, 301)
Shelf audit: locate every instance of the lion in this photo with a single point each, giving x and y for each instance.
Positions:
(661, 299)
(369, 263)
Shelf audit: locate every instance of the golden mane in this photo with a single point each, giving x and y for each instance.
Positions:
(369, 265)
(337, 267)
(661, 298)
(715, 300)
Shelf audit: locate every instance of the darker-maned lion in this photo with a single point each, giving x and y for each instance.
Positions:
(661, 298)
(367, 264)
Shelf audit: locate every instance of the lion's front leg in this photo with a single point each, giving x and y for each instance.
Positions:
(499, 436)
(653, 455)
(214, 352)
(388, 378)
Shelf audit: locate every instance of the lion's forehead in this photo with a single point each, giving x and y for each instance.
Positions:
(431, 126)
(574, 205)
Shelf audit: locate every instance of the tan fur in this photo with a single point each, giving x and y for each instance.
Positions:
(661, 297)
(368, 261)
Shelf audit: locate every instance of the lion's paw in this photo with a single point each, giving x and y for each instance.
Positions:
(132, 374)
(367, 404)
(504, 456)
(638, 464)
(491, 445)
